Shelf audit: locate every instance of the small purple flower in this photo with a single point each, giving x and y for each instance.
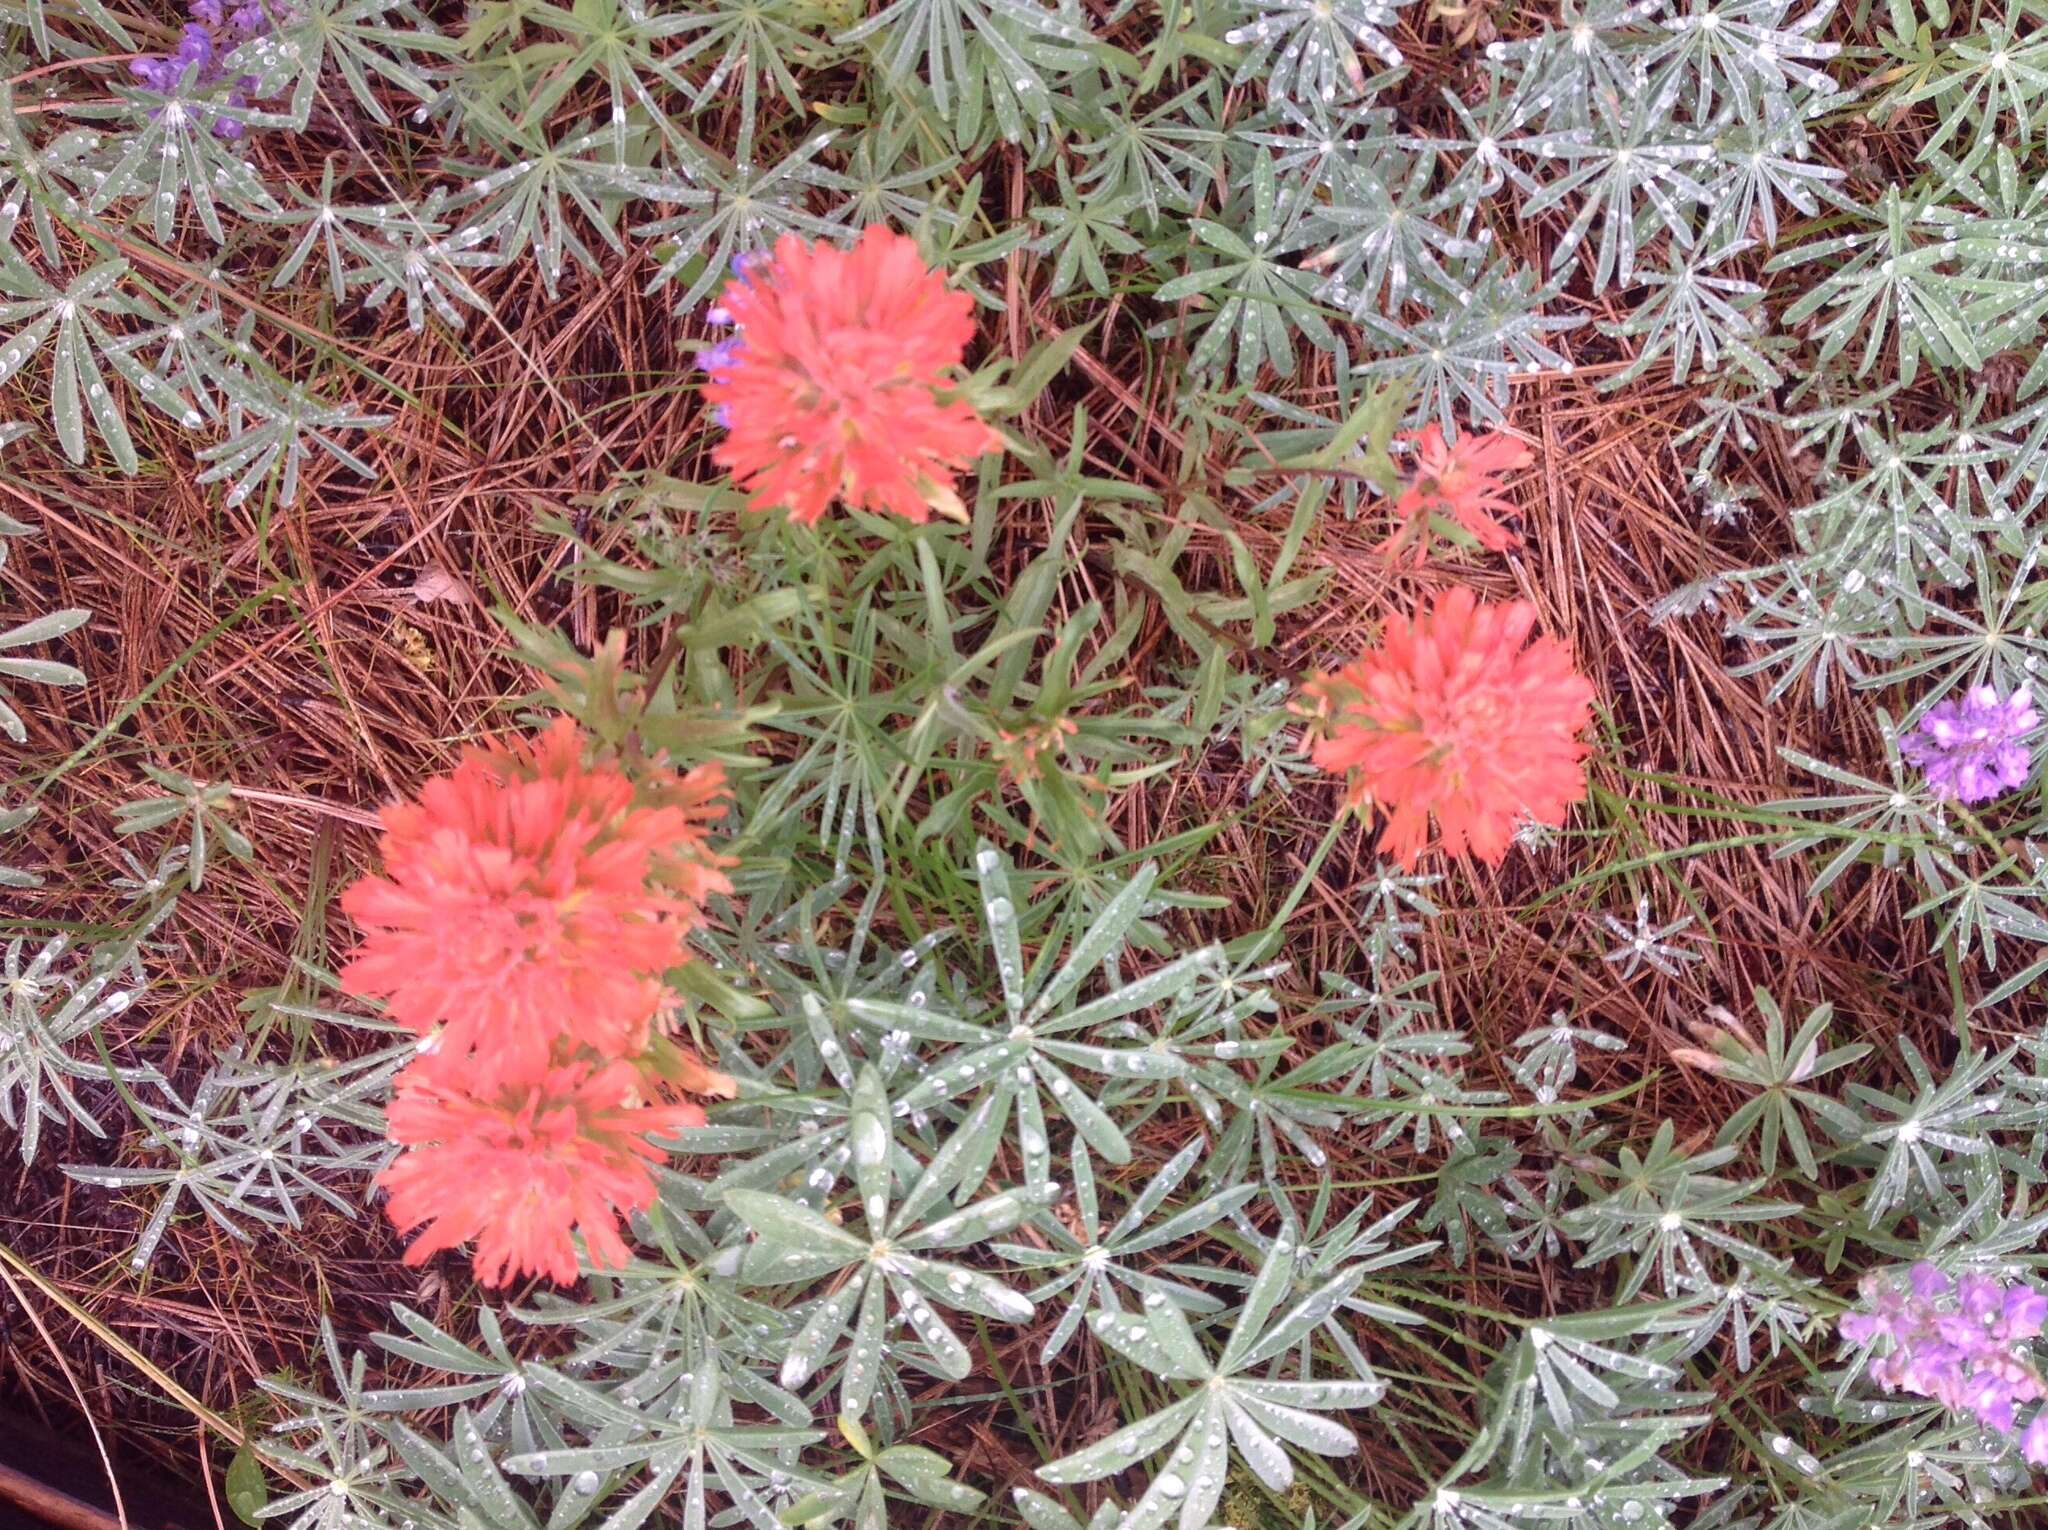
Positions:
(2034, 1440)
(2026, 1312)
(721, 357)
(1975, 749)
(1927, 1281)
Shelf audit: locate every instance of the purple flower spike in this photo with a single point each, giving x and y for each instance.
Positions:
(1957, 1345)
(1975, 749)
(199, 61)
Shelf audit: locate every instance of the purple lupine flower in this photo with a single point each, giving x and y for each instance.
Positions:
(1976, 748)
(199, 60)
(1958, 1344)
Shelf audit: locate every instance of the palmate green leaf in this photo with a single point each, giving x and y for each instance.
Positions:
(50, 1021)
(370, 44)
(796, 1244)
(886, 1276)
(730, 206)
(1021, 1065)
(1158, 154)
(1636, 170)
(694, 1452)
(1917, 287)
(860, 1495)
(545, 199)
(1782, 1071)
(1089, 1264)
(1457, 360)
(279, 428)
(977, 56)
(206, 806)
(1309, 50)
(1078, 231)
(82, 326)
(1228, 1407)
(1694, 312)
(1254, 298)
(171, 159)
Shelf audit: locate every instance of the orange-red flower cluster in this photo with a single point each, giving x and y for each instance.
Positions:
(530, 906)
(1459, 714)
(1460, 483)
(830, 385)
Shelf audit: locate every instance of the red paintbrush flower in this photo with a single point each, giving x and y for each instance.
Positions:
(1454, 716)
(829, 387)
(1461, 484)
(530, 899)
(520, 1170)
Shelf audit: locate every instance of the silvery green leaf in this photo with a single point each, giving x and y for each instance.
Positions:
(957, 1074)
(1095, 1125)
(1189, 1220)
(1125, 1448)
(921, 1022)
(1102, 939)
(993, 870)
(1160, 1186)
(796, 1243)
(864, 1357)
(1203, 1463)
(46, 627)
(947, 1356)
(1157, 1338)
(969, 1290)
(1297, 1322)
(821, 1330)
(1295, 1425)
(1261, 1452)
(1145, 991)
(929, 1477)
(826, 1040)
(1342, 1393)
(979, 1222)
(962, 1163)
(1275, 1276)
(867, 1133)
(1040, 1512)
(1131, 1062)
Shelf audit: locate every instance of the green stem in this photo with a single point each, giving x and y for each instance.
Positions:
(1301, 886)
